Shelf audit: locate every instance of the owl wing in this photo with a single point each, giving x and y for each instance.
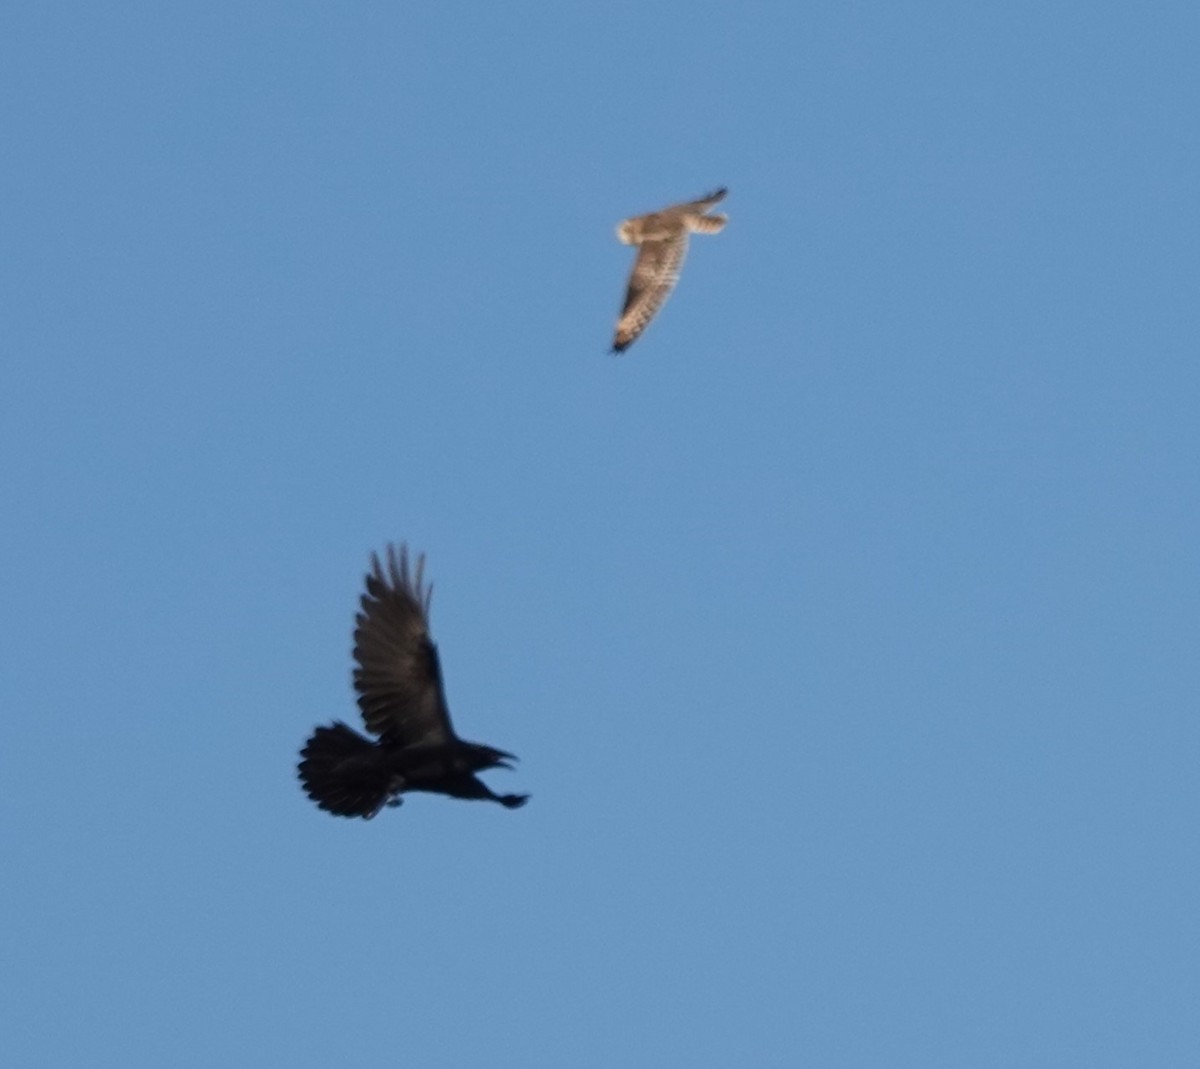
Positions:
(655, 272)
(702, 205)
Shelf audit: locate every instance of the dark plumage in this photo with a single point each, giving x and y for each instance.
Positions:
(399, 682)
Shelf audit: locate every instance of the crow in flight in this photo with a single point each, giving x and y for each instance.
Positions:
(400, 694)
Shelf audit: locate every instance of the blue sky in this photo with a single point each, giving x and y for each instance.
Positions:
(846, 626)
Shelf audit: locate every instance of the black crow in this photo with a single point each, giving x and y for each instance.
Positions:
(400, 694)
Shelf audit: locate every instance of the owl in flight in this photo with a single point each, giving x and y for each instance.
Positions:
(662, 241)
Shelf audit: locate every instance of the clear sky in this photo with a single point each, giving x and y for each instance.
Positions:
(846, 627)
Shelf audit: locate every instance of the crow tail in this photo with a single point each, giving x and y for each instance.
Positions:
(346, 773)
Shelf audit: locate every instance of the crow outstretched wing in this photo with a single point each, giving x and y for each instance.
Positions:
(398, 676)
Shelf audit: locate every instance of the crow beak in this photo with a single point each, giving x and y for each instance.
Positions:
(502, 761)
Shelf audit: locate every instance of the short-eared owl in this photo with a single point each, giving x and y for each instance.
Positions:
(662, 241)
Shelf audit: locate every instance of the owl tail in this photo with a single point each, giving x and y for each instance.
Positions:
(707, 224)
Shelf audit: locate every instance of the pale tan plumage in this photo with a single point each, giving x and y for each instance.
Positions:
(662, 240)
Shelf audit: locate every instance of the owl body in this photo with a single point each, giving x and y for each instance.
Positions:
(662, 239)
